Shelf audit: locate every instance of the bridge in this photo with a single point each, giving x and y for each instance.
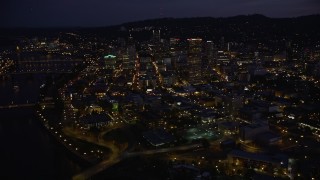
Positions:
(16, 106)
(51, 61)
(40, 72)
(57, 66)
(10, 106)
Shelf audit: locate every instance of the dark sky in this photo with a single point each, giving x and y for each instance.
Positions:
(49, 13)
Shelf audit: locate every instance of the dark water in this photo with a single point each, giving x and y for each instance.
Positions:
(26, 91)
(27, 151)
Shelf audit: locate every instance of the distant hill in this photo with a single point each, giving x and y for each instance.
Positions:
(238, 28)
(250, 26)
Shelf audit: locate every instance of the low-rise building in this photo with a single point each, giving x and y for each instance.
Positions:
(249, 133)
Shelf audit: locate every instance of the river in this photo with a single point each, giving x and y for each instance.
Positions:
(27, 150)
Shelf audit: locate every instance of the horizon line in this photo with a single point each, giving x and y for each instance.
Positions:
(142, 20)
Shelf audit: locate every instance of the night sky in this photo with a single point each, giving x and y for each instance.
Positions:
(51, 13)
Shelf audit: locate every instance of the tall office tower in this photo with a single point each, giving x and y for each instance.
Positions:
(209, 50)
(174, 48)
(222, 43)
(156, 36)
(121, 42)
(124, 58)
(195, 61)
(179, 53)
(294, 52)
(289, 51)
(146, 73)
(129, 58)
(110, 61)
(222, 58)
(174, 44)
(175, 51)
(208, 59)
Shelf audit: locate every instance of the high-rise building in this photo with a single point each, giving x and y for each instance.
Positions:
(289, 52)
(207, 61)
(222, 43)
(195, 61)
(222, 57)
(156, 36)
(175, 50)
(110, 61)
(209, 50)
(147, 78)
(129, 58)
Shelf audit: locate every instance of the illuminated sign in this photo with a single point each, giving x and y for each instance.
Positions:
(109, 56)
(115, 106)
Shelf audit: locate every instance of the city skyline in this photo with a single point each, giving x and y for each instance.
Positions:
(197, 98)
(95, 13)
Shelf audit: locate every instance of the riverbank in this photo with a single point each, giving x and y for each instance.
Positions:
(28, 150)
